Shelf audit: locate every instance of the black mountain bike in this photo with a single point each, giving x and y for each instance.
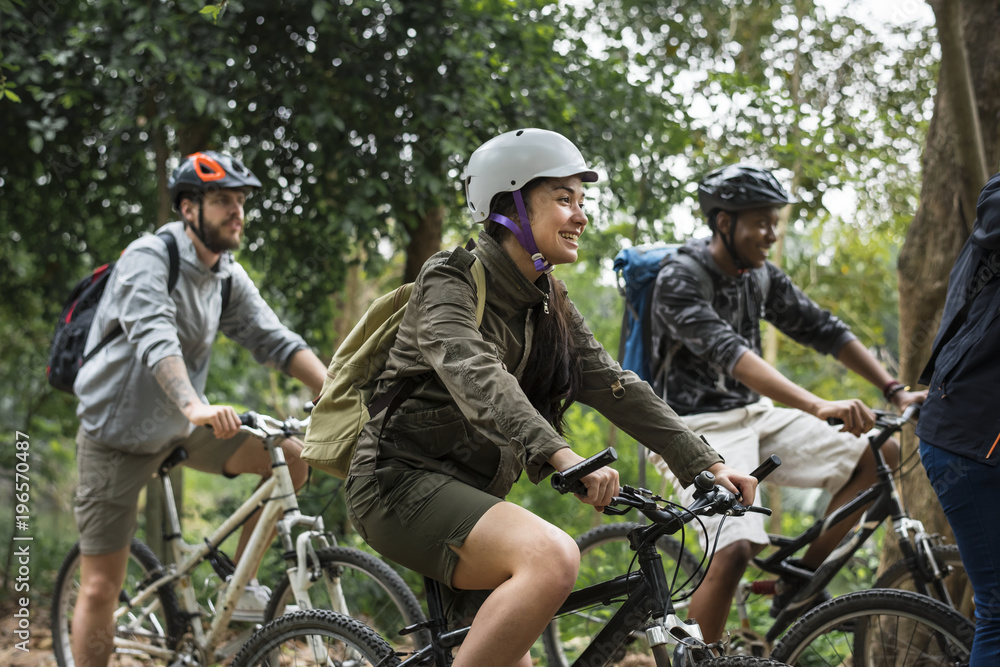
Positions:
(926, 567)
(645, 625)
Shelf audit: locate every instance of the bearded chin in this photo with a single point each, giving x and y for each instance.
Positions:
(215, 243)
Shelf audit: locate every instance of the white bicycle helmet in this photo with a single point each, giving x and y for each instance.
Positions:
(507, 162)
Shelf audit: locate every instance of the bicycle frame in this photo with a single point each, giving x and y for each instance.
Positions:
(277, 496)
(885, 502)
(647, 596)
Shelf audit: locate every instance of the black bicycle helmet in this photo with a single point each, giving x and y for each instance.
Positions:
(209, 169)
(738, 187)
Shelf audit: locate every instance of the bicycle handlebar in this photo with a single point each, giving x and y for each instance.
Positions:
(888, 420)
(569, 479)
(265, 426)
(710, 498)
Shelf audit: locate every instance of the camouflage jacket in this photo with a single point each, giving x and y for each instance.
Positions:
(700, 331)
(468, 418)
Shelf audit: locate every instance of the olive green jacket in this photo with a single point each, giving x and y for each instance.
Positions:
(470, 419)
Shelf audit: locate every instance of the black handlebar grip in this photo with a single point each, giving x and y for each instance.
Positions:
(834, 421)
(766, 468)
(247, 419)
(568, 481)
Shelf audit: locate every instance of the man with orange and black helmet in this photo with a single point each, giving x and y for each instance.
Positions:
(142, 394)
(707, 306)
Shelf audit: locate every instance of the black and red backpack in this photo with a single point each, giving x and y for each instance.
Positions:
(66, 356)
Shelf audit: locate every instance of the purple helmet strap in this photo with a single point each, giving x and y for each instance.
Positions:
(523, 232)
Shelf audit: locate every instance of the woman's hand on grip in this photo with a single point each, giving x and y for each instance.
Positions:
(602, 484)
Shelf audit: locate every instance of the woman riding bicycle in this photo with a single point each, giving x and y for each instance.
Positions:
(426, 485)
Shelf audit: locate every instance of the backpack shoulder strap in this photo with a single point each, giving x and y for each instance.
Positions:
(227, 288)
(402, 388)
(175, 260)
(464, 259)
(704, 279)
(763, 278)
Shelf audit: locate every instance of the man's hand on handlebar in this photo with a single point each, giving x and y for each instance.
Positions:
(903, 399)
(222, 419)
(743, 485)
(856, 417)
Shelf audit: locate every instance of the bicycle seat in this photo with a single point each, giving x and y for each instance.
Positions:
(176, 457)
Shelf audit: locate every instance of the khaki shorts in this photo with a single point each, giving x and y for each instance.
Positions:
(110, 480)
(414, 517)
(813, 455)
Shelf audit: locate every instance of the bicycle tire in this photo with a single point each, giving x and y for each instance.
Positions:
(899, 575)
(878, 627)
(159, 624)
(604, 554)
(375, 594)
(283, 641)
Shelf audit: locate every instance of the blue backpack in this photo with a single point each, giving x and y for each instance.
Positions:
(636, 269)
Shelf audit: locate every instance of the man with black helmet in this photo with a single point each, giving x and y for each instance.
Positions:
(142, 394)
(707, 306)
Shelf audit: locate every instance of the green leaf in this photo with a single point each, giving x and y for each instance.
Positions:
(212, 11)
(319, 10)
(12, 96)
(153, 48)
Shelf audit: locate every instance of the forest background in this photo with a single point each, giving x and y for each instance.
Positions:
(358, 117)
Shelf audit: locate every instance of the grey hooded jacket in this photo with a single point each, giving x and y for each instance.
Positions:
(470, 418)
(121, 404)
(699, 334)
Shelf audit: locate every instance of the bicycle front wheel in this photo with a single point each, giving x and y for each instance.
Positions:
(878, 627)
(144, 635)
(363, 587)
(900, 575)
(317, 637)
(605, 554)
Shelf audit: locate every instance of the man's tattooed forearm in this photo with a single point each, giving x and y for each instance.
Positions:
(172, 375)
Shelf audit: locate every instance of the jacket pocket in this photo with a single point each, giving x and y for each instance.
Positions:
(435, 434)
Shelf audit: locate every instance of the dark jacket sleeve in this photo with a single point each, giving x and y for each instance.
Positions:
(800, 318)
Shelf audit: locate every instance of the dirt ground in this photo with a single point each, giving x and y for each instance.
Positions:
(39, 651)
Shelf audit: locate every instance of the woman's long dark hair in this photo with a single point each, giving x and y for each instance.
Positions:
(553, 373)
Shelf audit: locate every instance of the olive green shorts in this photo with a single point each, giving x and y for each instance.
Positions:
(107, 494)
(414, 517)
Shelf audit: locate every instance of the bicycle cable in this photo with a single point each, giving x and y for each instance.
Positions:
(701, 565)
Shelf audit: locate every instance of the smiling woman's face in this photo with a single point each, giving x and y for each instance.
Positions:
(557, 218)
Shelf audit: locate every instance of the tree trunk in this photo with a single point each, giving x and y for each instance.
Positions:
(944, 217)
(191, 138)
(425, 240)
